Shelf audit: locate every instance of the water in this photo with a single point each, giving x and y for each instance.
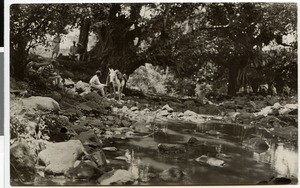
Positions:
(242, 165)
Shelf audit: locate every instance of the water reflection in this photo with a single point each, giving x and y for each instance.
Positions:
(284, 160)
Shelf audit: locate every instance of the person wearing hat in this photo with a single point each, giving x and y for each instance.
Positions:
(95, 83)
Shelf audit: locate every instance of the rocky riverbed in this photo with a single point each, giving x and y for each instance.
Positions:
(69, 138)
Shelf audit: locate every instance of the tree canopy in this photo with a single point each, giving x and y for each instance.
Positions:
(183, 36)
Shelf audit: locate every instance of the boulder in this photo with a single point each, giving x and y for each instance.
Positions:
(163, 113)
(84, 170)
(140, 127)
(189, 113)
(251, 105)
(21, 161)
(124, 109)
(209, 109)
(265, 111)
(272, 100)
(134, 108)
(213, 132)
(171, 148)
(189, 103)
(60, 157)
(117, 177)
(98, 157)
(229, 105)
(58, 128)
(289, 133)
(271, 122)
(168, 108)
(41, 103)
(109, 149)
(244, 117)
(180, 114)
(96, 123)
(125, 123)
(82, 86)
(172, 175)
(90, 141)
(256, 144)
(210, 161)
(79, 128)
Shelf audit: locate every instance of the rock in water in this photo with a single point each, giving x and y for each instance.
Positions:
(117, 177)
(210, 161)
(90, 140)
(99, 158)
(256, 144)
(172, 175)
(41, 103)
(289, 133)
(84, 170)
(171, 148)
(59, 157)
(109, 149)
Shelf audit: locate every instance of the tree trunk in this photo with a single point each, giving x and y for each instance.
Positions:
(84, 33)
(232, 82)
(18, 60)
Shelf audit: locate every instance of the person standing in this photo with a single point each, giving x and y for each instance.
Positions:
(96, 85)
(56, 41)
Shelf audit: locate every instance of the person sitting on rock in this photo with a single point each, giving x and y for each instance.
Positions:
(73, 50)
(49, 73)
(96, 85)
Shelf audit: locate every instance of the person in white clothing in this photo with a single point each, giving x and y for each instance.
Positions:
(96, 85)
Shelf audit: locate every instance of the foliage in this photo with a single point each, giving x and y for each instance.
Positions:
(29, 26)
(149, 79)
(181, 36)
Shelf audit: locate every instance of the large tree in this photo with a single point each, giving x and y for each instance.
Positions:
(29, 26)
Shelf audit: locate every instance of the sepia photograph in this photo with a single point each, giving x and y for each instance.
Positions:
(159, 94)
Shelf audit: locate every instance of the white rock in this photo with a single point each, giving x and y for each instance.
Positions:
(124, 109)
(117, 177)
(41, 103)
(189, 113)
(180, 114)
(265, 111)
(82, 85)
(69, 81)
(59, 157)
(210, 161)
(163, 113)
(277, 106)
(284, 111)
(109, 149)
(129, 134)
(134, 108)
(168, 108)
(291, 106)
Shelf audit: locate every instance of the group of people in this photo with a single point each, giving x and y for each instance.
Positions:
(265, 89)
(46, 72)
(76, 51)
